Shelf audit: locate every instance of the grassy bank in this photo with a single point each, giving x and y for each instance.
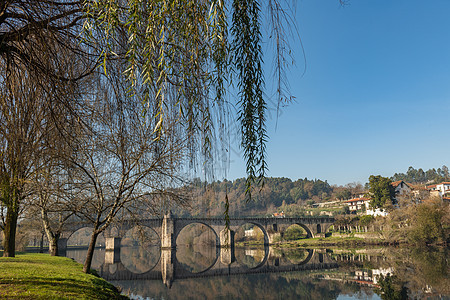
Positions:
(40, 276)
(340, 239)
(330, 241)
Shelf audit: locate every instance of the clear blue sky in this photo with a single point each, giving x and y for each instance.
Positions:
(375, 98)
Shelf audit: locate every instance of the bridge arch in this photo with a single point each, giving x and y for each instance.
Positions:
(260, 263)
(254, 223)
(205, 270)
(70, 234)
(306, 260)
(210, 254)
(309, 233)
(178, 230)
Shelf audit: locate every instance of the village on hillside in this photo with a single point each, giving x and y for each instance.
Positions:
(361, 205)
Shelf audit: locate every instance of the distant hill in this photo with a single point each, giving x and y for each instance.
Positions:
(282, 193)
(209, 199)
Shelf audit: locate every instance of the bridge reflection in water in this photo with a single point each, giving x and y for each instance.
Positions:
(168, 268)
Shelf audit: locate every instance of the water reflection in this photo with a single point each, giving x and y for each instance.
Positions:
(140, 250)
(250, 257)
(79, 255)
(197, 259)
(373, 273)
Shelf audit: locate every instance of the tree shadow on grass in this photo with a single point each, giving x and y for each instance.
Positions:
(94, 288)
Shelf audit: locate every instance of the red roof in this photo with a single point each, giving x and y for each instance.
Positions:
(357, 199)
(396, 183)
(434, 185)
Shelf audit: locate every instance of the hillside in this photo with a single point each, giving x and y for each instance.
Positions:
(281, 193)
(277, 193)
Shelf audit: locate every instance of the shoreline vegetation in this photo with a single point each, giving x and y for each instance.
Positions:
(336, 239)
(41, 276)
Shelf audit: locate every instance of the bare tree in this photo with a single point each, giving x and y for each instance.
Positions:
(119, 163)
(37, 77)
(51, 198)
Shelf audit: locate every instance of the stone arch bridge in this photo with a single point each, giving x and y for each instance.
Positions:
(169, 227)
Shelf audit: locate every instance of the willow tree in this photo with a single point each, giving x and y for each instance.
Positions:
(179, 55)
(187, 55)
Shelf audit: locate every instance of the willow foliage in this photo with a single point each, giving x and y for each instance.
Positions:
(183, 55)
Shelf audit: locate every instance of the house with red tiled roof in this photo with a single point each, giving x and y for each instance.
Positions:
(442, 188)
(363, 203)
(401, 187)
(357, 203)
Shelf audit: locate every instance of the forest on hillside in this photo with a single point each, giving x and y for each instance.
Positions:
(423, 177)
(208, 199)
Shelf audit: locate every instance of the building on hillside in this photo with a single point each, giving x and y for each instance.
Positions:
(357, 203)
(249, 233)
(401, 187)
(376, 212)
(363, 203)
(442, 188)
(419, 191)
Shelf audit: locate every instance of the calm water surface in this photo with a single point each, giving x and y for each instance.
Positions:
(203, 272)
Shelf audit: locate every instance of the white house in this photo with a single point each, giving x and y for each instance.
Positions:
(442, 188)
(357, 203)
(364, 203)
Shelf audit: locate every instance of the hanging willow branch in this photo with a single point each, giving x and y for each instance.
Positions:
(247, 58)
(181, 58)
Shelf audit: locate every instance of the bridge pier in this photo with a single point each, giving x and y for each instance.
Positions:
(226, 238)
(167, 270)
(112, 250)
(112, 243)
(227, 255)
(167, 232)
(112, 256)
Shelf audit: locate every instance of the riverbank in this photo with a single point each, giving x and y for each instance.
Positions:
(336, 239)
(40, 276)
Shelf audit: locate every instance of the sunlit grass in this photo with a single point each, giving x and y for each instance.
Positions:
(40, 276)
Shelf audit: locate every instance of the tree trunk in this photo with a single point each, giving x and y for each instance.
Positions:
(52, 237)
(9, 244)
(53, 245)
(90, 253)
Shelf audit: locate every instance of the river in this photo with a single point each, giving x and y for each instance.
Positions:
(205, 272)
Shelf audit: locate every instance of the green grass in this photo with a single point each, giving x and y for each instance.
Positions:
(40, 276)
(328, 241)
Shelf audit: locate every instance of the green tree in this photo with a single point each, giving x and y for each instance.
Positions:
(428, 222)
(381, 191)
(343, 194)
(391, 288)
